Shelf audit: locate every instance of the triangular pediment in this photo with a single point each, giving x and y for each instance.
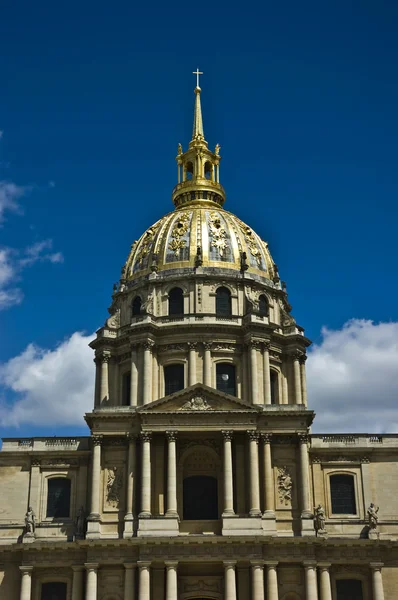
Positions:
(198, 398)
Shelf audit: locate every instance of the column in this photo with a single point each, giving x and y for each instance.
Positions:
(171, 474)
(95, 478)
(266, 375)
(104, 381)
(269, 509)
(155, 379)
(97, 362)
(130, 485)
(324, 581)
(146, 474)
(129, 571)
(230, 579)
(91, 581)
(377, 581)
(272, 580)
(297, 378)
(228, 474)
(26, 582)
(77, 582)
(257, 580)
(253, 373)
(306, 511)
(171, 579)
(254, 475)
(311, 587)
(134, 375)
(207, 364)
(147, 383)
(192, 363)
(285, 371)
(144, 580)
(303, 378)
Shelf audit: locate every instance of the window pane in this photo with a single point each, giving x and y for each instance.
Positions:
(173, 379)
(349, 589)
(223, 302)
(54, 590)
(343, 494)
(126, 384)
(274, 386)
(58, 498)
(263, 306)
(200, 498)
(226, 380)
(136, 308)
(176, 302)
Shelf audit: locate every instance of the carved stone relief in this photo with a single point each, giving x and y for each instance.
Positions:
(114, 486)
(285, 486)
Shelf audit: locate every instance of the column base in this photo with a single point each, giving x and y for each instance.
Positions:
(228, 513)
(172, 514)
(162, 526)
(93, 528)
(268, 522)
(236, 525)
(28, 538)
(255, 512)
(307, 526)
(129, 529)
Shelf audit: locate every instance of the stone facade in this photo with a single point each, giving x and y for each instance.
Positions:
(203, 481)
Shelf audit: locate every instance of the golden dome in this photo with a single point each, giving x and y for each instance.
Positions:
(199, 235)
(199, 232)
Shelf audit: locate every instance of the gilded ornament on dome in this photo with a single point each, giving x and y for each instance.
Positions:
(251, 241)
(217, 233)
(147, 241)
(179, 230)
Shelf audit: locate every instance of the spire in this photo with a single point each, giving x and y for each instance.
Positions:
(197, 132)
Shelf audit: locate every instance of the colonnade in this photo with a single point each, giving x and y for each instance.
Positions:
(142, 361)
(256, 441)
(264, 580)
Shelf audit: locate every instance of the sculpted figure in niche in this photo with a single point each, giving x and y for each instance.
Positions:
(80, 523)
(285, 485)
(373, 516)
(114, 486)
(30, 522)
(319, 521)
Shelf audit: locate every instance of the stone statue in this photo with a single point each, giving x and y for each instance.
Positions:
(319, 521)
(80, 523)
(372, 516)
(179, 149)
(217, 150)
(30, 522)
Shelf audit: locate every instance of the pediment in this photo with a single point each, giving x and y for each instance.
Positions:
(198, 398)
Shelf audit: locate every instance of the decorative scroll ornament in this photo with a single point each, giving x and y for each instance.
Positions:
(180, 228)
(196, 403)
(217, 233)
(114, 486)
(285, 485)
(250, 241)
(146, 243)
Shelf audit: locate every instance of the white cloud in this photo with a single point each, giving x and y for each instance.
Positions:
(10, 194)
(52, 387)
(353, 378)
(37, 253)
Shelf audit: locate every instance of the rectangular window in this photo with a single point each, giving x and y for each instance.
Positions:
(58, 497)
(173, 378)
(342, 493)
(53, 590)
(226, 380)
(126, 383)
(349, 589)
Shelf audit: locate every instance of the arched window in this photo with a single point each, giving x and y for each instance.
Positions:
(176, 302)
(263, 306)
(342, 491)
(208, 170)
(349, 589)
(189, 171)
(200, 500)
(225, 378)
(173, 378)
(136, 306)
(274, 386)
(58, 497)
(53, 590)
(223, 302)
(126, 384)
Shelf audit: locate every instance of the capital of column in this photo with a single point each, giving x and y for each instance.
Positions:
(129, 565)
(148, 345)
(376, 566)
(91, 566)
(134, 346)
(227, 435)
(207, 345)
(266, 346)
(77, 568)
(257, 563)
(303, 438)
(171, 436)
(171, 564)
(302, 359)
(146, 436)
(192, 345)
(131, 437)
(97, 440)
(253, 436)
(271, 564)
(254, 344)
(143, 564)
(266, 438)
(309, 564)
(296, 355)
(229, 564)
(26, 569)
(105, 357)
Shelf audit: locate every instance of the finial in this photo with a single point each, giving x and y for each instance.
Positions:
(197, 73)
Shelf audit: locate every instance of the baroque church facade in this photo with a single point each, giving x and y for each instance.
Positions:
(201, 478)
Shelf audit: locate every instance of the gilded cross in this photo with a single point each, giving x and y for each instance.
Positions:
(197, 73)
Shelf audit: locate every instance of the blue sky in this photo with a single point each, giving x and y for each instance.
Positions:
(95, 97)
